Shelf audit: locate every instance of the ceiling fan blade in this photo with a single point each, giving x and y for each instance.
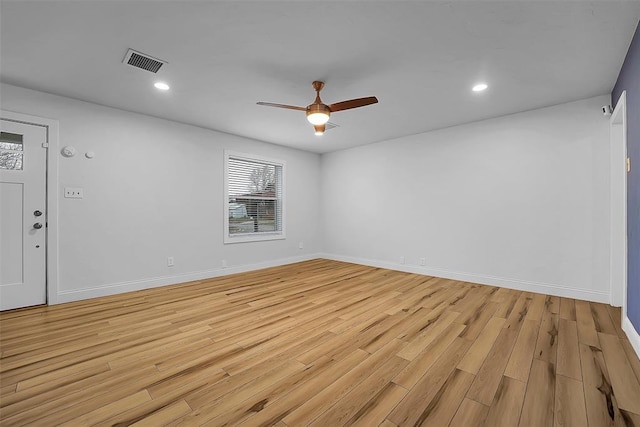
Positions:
(353, 103)
(290, 107)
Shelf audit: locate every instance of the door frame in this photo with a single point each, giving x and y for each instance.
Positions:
(618, 249)
(51, 191)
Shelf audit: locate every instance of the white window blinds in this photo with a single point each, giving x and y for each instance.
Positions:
(254, 198)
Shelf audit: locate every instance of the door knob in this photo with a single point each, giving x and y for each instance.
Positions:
(37, 226)
(37, 213)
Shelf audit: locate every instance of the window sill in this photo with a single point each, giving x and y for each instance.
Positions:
(242, 238)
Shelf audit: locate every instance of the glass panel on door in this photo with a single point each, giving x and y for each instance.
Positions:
(11, 151)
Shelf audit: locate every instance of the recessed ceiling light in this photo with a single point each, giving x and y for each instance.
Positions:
(479, 87)
(161, 85)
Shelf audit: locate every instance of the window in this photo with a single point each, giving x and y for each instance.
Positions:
(254, 198)
(11, 151)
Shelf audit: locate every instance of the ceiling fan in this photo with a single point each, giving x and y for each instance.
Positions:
(318, 113)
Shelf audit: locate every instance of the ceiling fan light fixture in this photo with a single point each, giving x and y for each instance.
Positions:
(318, 114)
(161, 86)
(480, 87)
(318, 118)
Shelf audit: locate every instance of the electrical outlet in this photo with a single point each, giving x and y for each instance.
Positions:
(402, 260)
(73, 193)
(423, 261)
(170, 261)
(224, 263)
(301, 245)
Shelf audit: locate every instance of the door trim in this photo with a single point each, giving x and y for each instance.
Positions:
(618, 249)
(52, 132)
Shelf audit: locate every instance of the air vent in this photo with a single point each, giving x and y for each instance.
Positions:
(143, 61)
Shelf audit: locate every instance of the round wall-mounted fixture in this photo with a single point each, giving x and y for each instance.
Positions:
(68, 151)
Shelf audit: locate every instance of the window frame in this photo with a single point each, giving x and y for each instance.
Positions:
(254, 236)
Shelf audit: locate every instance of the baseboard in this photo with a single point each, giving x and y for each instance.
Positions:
(632, 334)
(137, 285)
(520, 285)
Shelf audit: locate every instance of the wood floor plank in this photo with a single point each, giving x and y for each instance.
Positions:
(587, 333)
(475, 321)
(569, 404)
(629, 418)
(537, 307)
(602, 319)
(539, 400)
(568, 309)
(87, 395)
(631, 356)
(568, 350)
(516, 318)
(442, 408)
(421, 364)
(600, 403)
(164, 415)
(507, 403)
(547, 342)
(520, 361)
(208, 401)
(490, 374)
(505, 306)
(330, 395)
(59, 377)
(297, 396)
(318, 342)
(616, 317)
(470, 413)
(108, 410)
(552, 304)
(346, 410)
(418, 343)
(411, 408)
(375, 410)
(501, 294)
(476, 355)
(267, 396)
(625, 385)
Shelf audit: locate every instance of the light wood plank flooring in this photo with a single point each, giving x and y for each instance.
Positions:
(319, 343)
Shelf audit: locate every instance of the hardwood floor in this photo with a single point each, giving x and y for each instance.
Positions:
(319, 343)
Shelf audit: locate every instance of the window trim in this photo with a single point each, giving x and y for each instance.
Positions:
(252, 237)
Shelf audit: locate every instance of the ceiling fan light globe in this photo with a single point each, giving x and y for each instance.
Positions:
(318, 118)
(319, 129)
(318, 114)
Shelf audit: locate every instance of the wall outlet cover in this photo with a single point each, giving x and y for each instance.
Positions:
(73, 193)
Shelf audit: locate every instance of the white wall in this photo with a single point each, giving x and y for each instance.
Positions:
(520, 201)
(153, 190)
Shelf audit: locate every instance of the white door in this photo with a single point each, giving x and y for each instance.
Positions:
(22, 215)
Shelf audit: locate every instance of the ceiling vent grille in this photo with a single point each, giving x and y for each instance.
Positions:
(143, 61)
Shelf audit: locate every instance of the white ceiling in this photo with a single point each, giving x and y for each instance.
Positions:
(419, 58)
